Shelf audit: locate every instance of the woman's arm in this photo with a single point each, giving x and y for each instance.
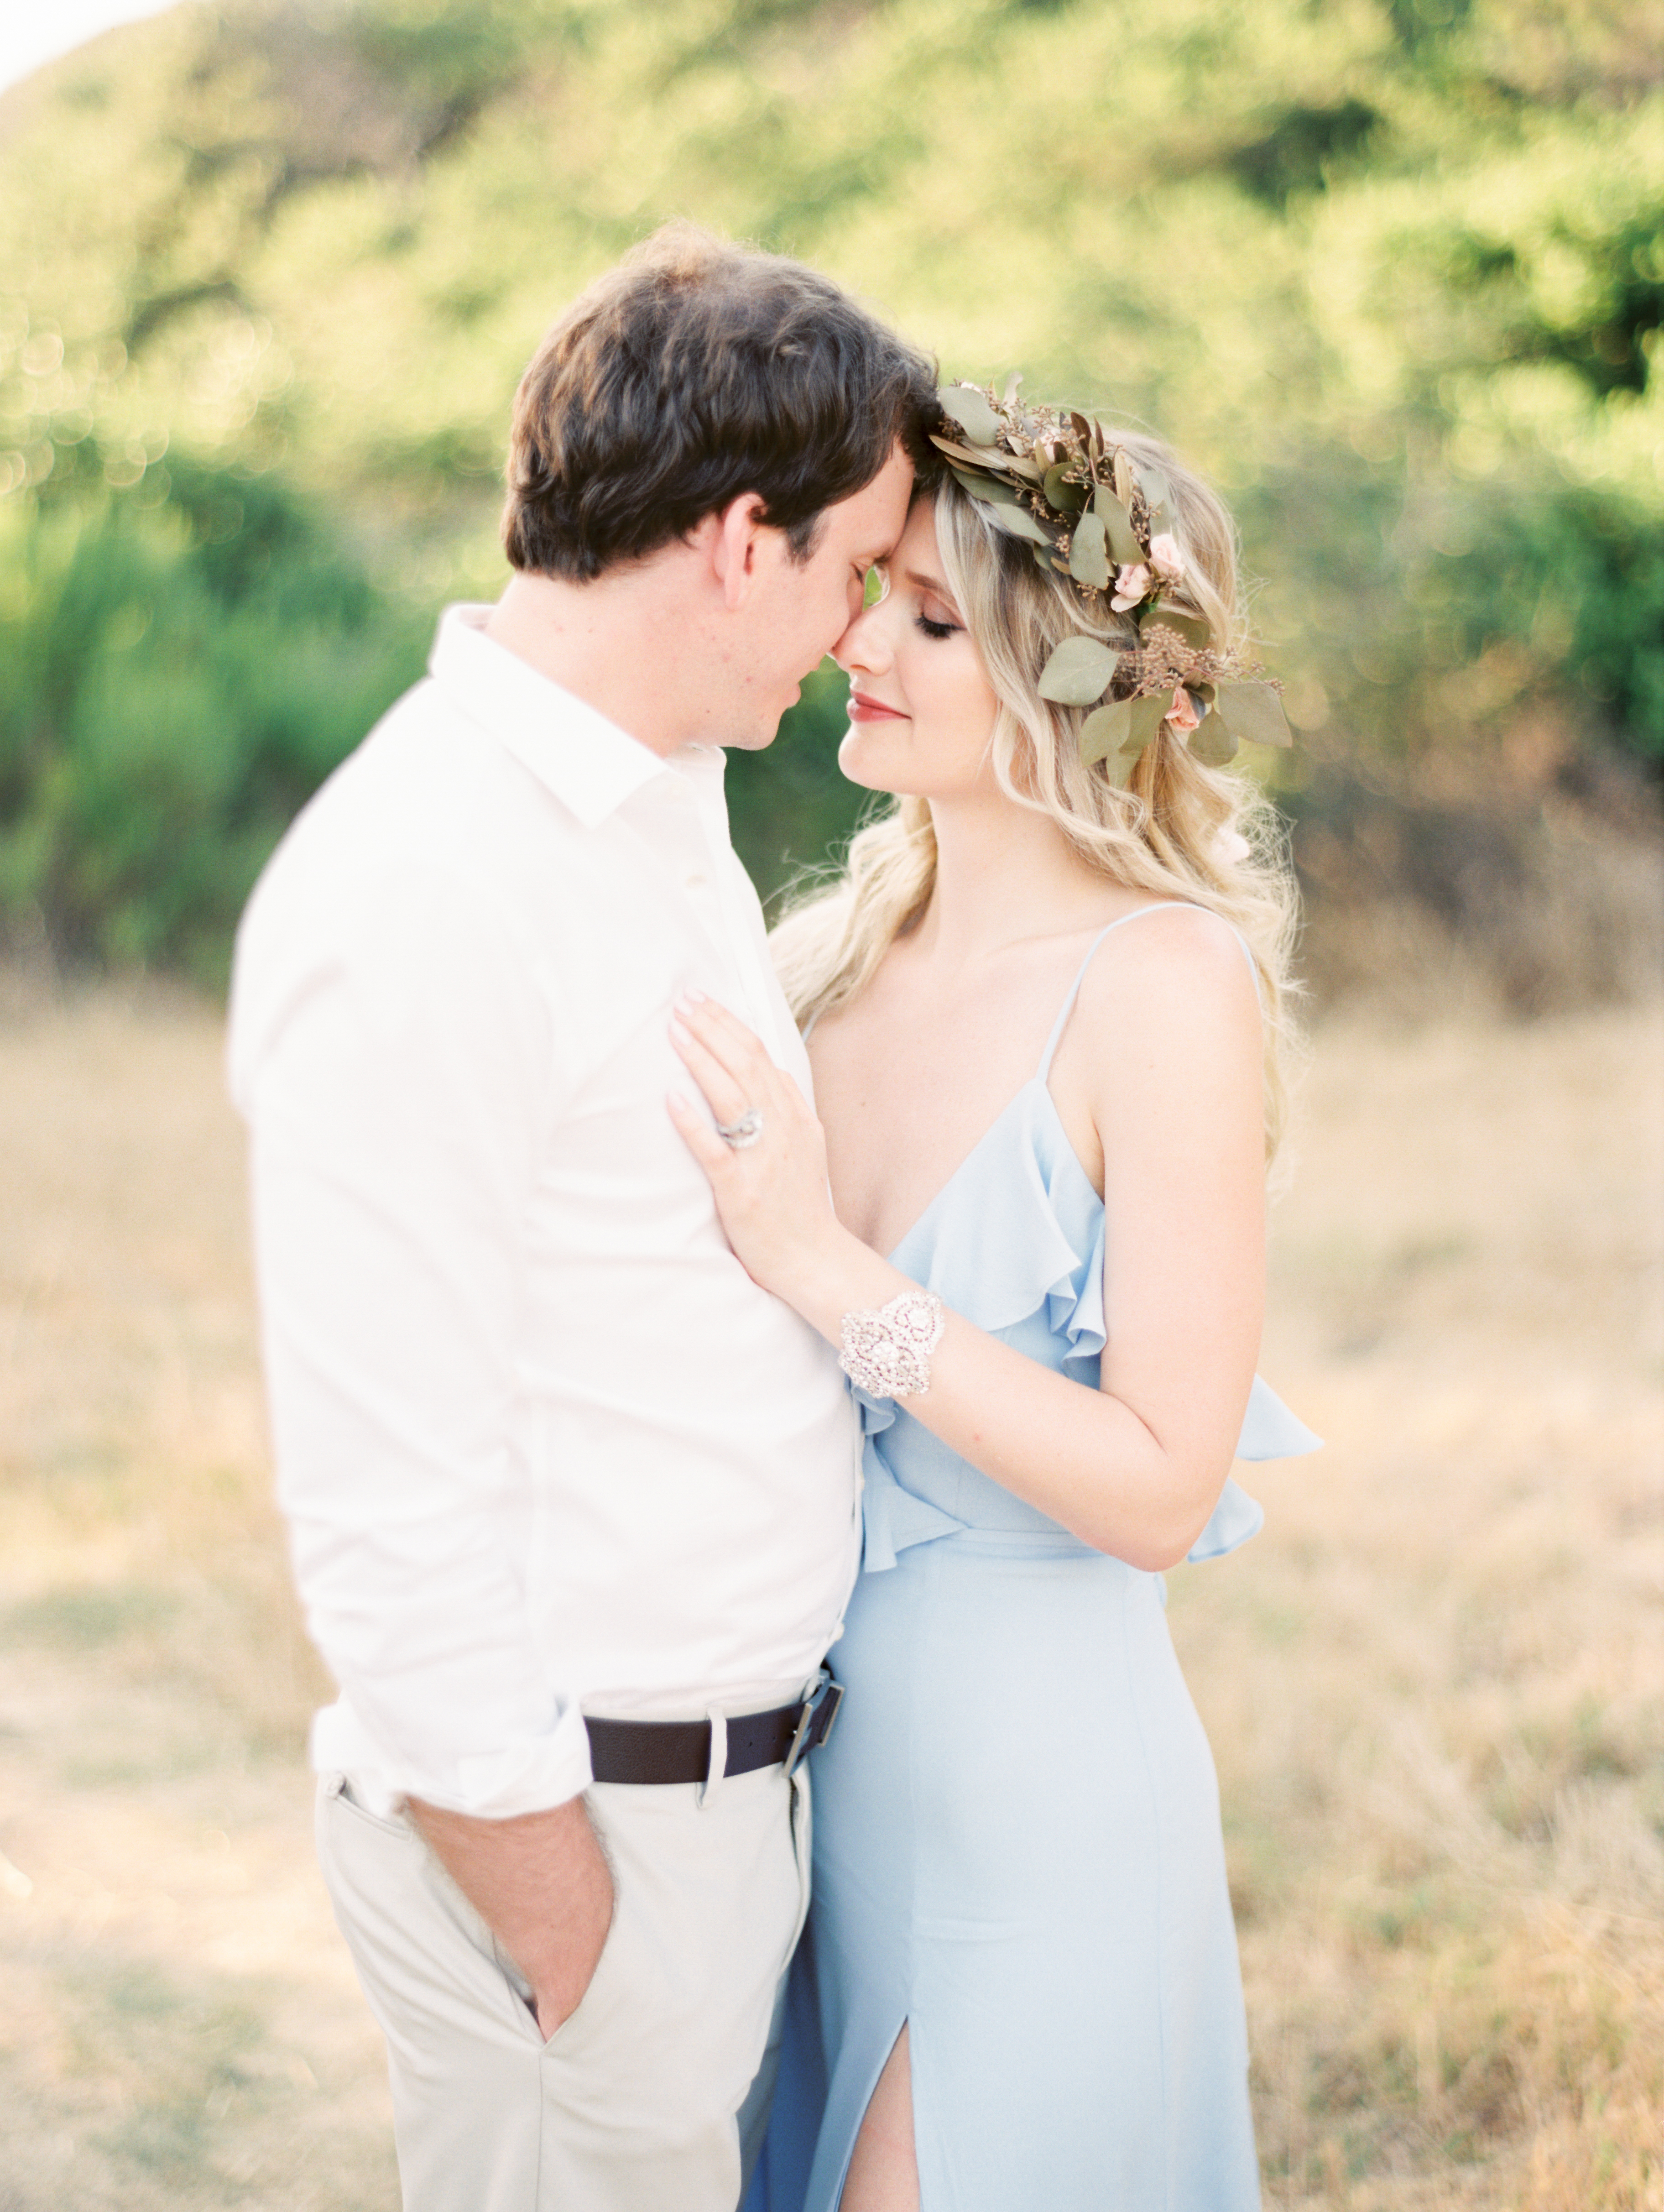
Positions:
(1134, 1469)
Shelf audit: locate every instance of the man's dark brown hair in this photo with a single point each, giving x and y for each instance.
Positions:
(693, 373)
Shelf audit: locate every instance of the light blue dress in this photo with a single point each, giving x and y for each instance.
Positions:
(1017, 1849)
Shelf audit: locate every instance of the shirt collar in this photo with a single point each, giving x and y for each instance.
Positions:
(590, 764)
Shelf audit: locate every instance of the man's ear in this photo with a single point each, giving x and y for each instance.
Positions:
(735, 545)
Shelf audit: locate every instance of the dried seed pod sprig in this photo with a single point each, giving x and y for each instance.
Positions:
(1060, 484)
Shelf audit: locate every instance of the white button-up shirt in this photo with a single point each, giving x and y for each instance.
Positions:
(543, 1445)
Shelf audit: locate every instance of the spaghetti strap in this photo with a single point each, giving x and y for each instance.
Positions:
(1167, 906)
(1068, 1006)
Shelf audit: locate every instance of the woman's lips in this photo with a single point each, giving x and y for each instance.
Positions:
(863, 709)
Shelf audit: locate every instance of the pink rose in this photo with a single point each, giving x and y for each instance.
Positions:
(1133, 585)
(1166, 559)
(1182, 718)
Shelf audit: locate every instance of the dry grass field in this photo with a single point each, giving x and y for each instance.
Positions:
(1432, 1685)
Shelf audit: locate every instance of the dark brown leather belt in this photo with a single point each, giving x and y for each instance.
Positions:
(680, 1751)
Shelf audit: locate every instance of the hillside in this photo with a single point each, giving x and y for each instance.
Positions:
(1390, 269)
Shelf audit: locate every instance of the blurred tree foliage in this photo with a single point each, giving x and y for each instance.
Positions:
(1390, 269)
(186, 660)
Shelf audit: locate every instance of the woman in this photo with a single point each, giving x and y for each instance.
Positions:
(1047, 1075)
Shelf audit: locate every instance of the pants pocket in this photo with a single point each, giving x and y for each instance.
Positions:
(802, 1847)
(520, 1989)
(338, 1788)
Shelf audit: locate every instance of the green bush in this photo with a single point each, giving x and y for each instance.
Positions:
(1576, 580)
(1432, 613)
(180, 666)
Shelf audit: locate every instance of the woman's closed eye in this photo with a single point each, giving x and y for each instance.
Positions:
(935, 625)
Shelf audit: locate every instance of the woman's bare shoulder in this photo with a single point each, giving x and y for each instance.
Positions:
(1176, 976)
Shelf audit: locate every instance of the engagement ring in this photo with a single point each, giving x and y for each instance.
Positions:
(740, 1136)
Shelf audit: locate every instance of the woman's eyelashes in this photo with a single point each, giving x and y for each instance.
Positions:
(934, 626)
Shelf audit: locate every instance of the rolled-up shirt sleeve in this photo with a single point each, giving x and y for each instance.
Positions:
(399, 1092)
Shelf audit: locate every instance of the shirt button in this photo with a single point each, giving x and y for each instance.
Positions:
(695, 883)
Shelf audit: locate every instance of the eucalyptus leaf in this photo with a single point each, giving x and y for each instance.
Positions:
(989, 457)
(1068, 498)
(1119, 766)
(1124, 546)
(1082, 429)
(1012, 384)
(1088, 552)
(1252, 712)
(988, 489)
(1213, 743)
(1190, 627)
(970, 457)
(1105, 731)
(1148, 715)
(1018, 522)
(1126, 482)
(1079, 673)
(971, 411)
(955, 452)
(1155, 491)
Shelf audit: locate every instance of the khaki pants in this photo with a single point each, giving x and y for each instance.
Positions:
(638, 2102)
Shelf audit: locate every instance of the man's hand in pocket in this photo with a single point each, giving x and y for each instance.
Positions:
(542, 1885)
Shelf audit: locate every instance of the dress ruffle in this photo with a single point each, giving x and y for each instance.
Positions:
(1034, 1242)
(999, 1261)
(893, 1519)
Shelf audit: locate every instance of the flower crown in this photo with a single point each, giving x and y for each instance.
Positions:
(1060, 484)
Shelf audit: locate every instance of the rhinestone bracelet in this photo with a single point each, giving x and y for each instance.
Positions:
(887, 1353)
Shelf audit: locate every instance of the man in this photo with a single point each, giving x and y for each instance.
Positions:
(573, 1502)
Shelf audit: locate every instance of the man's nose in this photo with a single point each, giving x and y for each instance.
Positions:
(863, 644)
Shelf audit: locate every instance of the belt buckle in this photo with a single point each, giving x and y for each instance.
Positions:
(814, 1722)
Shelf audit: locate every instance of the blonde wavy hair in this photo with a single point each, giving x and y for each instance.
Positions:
(1179, 830)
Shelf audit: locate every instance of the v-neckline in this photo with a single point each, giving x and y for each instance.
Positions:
(1035, 1082)
(1041, 1077)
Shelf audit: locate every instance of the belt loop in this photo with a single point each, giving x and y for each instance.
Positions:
(718, 1763)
